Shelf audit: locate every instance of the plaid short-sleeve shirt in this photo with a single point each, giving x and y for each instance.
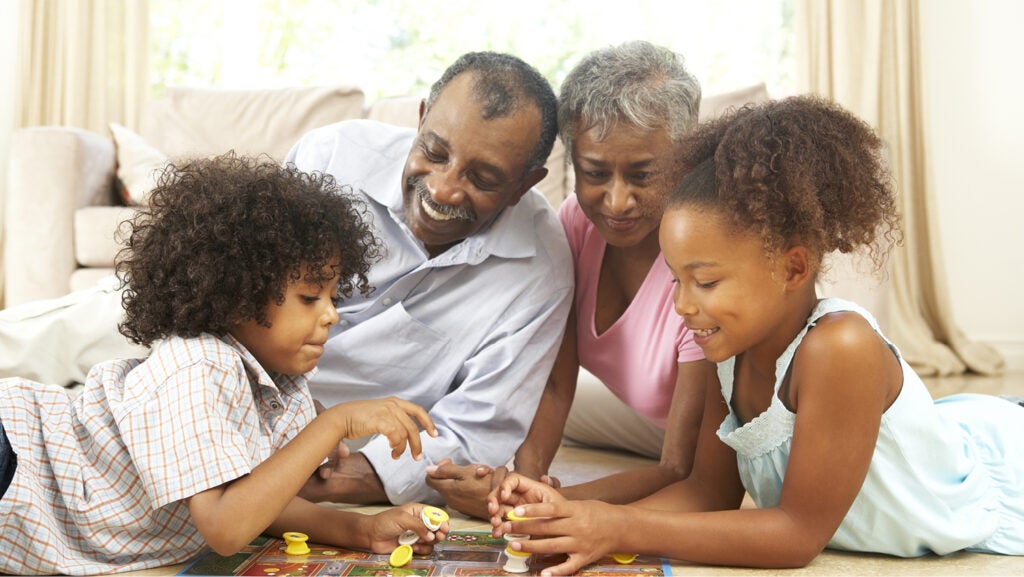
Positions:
(101, 477)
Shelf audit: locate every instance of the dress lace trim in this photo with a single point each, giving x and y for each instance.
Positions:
(774, 426)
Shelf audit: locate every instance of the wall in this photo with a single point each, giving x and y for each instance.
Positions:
(971, 54)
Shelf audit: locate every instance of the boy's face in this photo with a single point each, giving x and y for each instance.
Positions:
(729, 293)
(294, 341)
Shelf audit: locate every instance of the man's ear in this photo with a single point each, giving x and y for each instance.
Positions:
(423, 112)
(529, 181)
(798, 267)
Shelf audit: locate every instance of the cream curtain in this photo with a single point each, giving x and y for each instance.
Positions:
(81, 63)
(864, 54)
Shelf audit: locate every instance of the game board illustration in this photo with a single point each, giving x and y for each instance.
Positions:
(463, 553)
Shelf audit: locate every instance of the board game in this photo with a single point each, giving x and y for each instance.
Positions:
(463, 553)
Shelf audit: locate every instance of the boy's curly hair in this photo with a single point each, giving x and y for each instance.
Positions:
(221, 238)
(798, 170)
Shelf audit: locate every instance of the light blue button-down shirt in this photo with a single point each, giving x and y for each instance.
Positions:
(470, 334)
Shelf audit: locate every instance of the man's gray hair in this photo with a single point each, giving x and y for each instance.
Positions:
(504, 84)
(637, 82)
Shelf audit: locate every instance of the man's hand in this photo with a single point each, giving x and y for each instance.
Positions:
(465, 487)
(350, 479)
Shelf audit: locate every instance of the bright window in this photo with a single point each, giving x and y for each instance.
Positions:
(395, 47)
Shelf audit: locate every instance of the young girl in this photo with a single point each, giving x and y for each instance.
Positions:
(233, 273)
(818, 417)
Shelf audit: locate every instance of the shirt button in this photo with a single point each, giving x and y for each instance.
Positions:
(275, 405)
(386, 300)
(343, 324)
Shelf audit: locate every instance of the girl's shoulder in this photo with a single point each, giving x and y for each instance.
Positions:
(844, 348)
(844, 330)
(840, 325)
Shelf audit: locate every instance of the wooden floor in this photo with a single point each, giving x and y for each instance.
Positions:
(574, 464)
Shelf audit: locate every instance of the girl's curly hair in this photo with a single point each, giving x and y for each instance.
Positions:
(798, 170)
(221, 238)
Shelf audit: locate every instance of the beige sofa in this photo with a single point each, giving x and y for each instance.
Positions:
(63, 206)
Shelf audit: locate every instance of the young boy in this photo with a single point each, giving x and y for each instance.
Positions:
(233, 272)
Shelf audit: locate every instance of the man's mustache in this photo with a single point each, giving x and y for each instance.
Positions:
(423, 193)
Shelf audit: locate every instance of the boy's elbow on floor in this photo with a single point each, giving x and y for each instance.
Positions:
(227, 544)
(225, 548)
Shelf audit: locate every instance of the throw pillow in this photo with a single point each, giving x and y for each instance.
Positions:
(138, 165)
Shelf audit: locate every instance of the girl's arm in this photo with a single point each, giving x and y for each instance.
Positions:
(839, 400)
(231, 515)
(684, 424)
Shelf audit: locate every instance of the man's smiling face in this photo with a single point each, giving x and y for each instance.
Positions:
(463, 169)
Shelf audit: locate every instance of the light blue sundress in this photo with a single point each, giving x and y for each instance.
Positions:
(946, 475)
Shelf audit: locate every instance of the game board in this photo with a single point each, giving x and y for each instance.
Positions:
(463, 553)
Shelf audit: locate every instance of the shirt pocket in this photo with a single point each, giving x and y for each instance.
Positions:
(391, 353)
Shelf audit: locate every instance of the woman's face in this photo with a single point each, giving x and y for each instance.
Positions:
(623, 180)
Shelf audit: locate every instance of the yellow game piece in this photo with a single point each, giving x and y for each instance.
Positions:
(401, 556)
(624, 558)
(432, 517)
(516, 561)
(295, 543)
(511, 516)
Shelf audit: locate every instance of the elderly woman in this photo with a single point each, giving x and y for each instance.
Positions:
(622, 109)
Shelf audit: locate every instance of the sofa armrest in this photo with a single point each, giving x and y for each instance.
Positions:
(52, 172)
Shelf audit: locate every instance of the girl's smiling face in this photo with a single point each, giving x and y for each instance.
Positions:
(728, 291)
(294, 341)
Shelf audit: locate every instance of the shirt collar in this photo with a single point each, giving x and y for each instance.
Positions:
(259, 374)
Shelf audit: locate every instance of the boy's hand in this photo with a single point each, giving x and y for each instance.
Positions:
(384, 529)
(392, 417)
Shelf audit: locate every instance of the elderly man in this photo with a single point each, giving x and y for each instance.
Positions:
(470, 300)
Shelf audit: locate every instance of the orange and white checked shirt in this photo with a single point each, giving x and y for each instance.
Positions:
(101, 476)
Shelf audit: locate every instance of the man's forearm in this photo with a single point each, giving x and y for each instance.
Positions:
(352, 480)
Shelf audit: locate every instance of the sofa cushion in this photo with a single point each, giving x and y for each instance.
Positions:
(138, 165)
(397, 110)
(206, 122)
(96, 234)
(715, 105)
(84, 278)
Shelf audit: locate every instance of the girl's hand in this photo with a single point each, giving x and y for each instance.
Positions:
(384, 529)
(516, 490)
(583, 530)
(391, 417)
